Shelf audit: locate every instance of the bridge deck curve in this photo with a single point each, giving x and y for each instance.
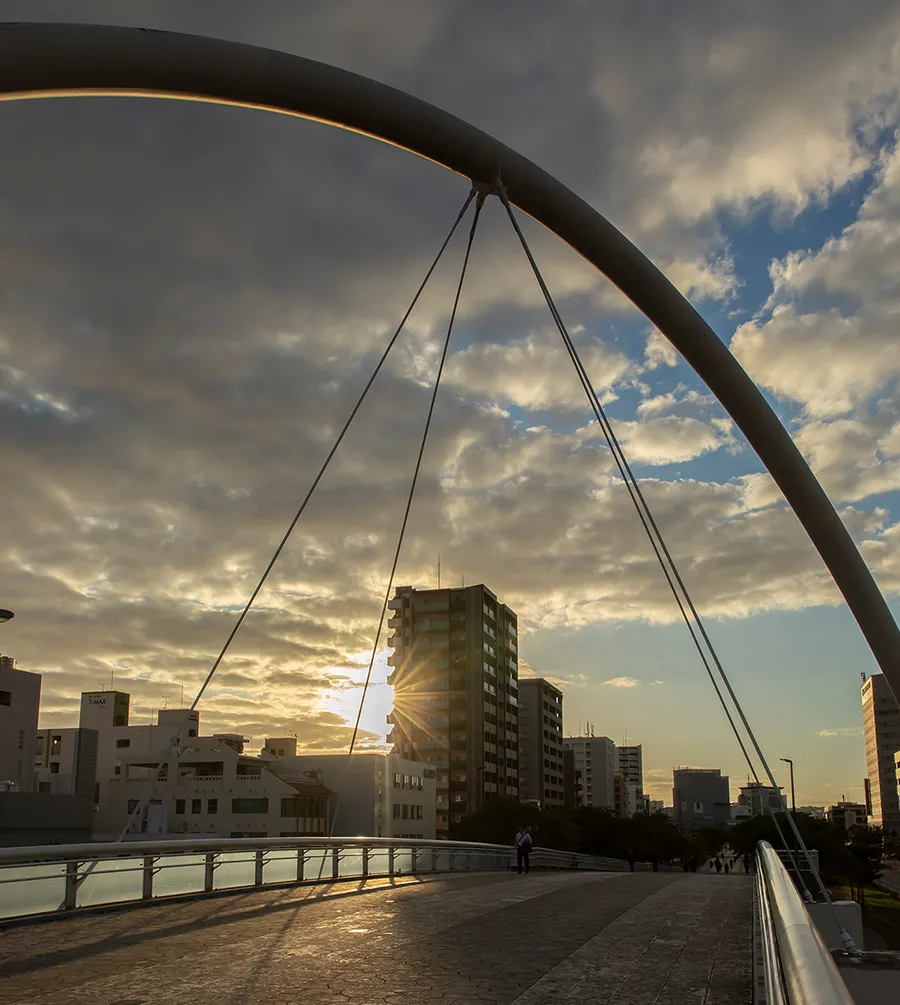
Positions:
(616, 939)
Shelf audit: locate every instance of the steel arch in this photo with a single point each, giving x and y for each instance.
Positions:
(45, 60)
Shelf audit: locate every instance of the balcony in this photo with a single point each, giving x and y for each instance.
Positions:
(395, 622)
(395, 604)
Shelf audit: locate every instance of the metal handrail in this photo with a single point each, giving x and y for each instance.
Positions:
(69, 870)
(791, 941)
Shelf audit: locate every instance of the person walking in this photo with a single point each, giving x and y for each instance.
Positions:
(523, 848)
(718, 863)
(631, 859)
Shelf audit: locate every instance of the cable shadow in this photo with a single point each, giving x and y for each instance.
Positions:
(125, 940)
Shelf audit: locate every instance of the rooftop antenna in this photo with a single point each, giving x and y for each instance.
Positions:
(439, 570)
(182, 695)
(112, 679)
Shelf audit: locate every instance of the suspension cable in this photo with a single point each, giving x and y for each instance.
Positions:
(177, 738)
(409, 500)
(666, 561)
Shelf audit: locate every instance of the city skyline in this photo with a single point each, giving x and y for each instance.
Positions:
(194, 295)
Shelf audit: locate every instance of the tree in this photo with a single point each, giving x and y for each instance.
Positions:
(866, 845)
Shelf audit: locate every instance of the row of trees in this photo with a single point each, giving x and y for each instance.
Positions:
(853, 859)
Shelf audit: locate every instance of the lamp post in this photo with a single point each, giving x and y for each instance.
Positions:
(787, 760)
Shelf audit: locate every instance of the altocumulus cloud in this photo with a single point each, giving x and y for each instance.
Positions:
(182, 330)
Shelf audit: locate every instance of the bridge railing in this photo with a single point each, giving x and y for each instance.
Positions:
(62, 879)
(797, 967)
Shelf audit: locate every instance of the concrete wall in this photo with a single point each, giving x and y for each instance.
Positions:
(20, 701)
(30, 818)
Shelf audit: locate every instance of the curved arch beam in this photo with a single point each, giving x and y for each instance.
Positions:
(40, 60)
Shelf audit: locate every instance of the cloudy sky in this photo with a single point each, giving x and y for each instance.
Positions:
(192, 296)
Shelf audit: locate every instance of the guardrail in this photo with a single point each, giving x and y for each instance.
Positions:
(56, 880)
(798, 969)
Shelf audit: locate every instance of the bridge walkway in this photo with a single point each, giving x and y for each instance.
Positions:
(591, 938)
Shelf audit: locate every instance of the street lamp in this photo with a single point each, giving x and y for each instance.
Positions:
(787, 760)
(5, 615)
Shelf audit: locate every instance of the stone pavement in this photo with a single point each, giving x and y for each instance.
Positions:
(590, 938)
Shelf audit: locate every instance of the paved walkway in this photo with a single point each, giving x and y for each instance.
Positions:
(615, 939)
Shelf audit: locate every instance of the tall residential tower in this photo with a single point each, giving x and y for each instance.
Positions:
(881, 724)
(456, 694)
(541, 742)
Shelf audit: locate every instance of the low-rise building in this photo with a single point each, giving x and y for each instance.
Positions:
(760, 799)
(813, 811)
(847, 814)
(65, 762)
(378, 795)
(20, 702)
(212, 789)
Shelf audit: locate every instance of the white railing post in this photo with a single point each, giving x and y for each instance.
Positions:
(258, 868)
(209, 872)
(147, 880)
(301, 862)
(391, 861)
(365, 861)
(336, 862)
(71, 896)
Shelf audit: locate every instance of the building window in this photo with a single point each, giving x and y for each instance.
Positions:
(405, 811)
(56, 745)
(6, 698)
(179, 806)
(419, 812)
(123, 743)
(250, 805)
(212, 805)
(54, 767)
(396, 811)
(196, 806)
(132, 805)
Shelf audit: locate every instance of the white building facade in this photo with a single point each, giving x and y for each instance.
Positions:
(378, 795)
(212, 789)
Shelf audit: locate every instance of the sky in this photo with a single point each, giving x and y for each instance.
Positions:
(192, 297)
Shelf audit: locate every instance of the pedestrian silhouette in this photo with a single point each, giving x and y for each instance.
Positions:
(631, 859)
(523, 848)
(718, 864)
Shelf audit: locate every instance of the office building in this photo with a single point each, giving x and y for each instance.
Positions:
(595, 758)
(210, 788)
(881, 725)
(701, 797)
(20, 702)
(456, 705)
(377, 795)
(760, 799)
(847, 815)
(30, 818)
(65, 761)
(541, 769)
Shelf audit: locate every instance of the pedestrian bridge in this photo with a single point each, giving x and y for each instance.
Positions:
(376, 921)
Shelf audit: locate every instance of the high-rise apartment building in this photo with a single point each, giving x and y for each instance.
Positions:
(456, 694)
(595, 758)
(881, 725)
(630, 761)
(541, 743)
